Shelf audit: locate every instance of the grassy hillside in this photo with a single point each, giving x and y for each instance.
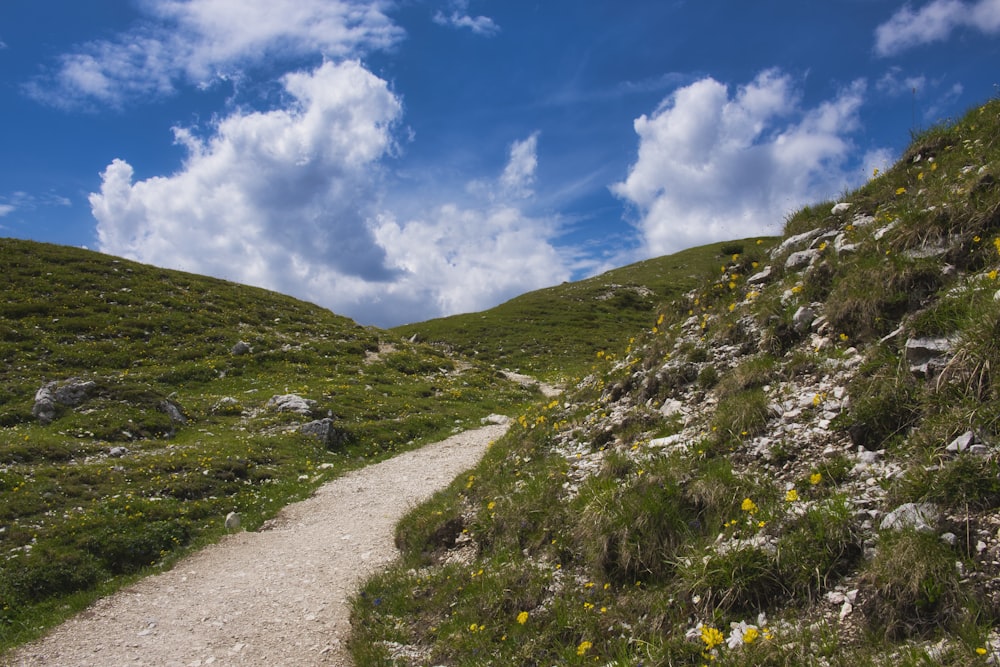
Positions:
(554, 333)
(801, 467)
(171, 428)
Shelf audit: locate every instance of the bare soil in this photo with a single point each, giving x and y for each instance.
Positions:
(278, 597)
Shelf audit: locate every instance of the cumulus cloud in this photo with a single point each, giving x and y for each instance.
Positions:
(289, 200)
(464, 257)
(459, 259)
(460, 18)
(934, 22)
(713, 166)
(200, 41)
(275, 198)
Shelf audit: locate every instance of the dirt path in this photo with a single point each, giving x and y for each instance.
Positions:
(276, 597)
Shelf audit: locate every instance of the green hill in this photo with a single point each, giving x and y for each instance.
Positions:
(798, 465)
(555, 333)
(156, 416)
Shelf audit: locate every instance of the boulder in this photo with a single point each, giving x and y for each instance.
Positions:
(801, 259)
(803, 318)
(173, 412)
(919, 516)
(240, 349)
(760, 277)
(961, 443)
(73, 392)
(290, 403)
(70, 393)
(325, 430)
(927, 356)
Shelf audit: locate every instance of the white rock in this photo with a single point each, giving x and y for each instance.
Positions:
(232, 521)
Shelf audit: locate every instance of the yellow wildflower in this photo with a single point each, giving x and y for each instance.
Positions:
(712, 637)
(583, 647)
(815, 478)
(748, 506)
(791, 496)
(522, 618)
(750, 635)
(900, 191)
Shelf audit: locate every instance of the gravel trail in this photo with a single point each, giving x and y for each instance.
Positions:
(278, 597)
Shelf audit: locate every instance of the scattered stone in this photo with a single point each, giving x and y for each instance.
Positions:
(70, 393)
(325, 430)
(961, 443)
(173, 412)
(801, 259)
(927, 356)
(919, 516)
(240, 349)
(797, 240)
(760, 277)
(495, 419)
(233, 521)
(803, 318)
(117, 452)
(671, 407)
(74, 392)
(841, 207)
(291, 403)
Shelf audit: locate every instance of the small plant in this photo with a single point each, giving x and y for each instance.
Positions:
(742, 414)
(911, 586)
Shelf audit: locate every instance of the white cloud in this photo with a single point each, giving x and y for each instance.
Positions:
(275, 199)
(199, 41)
(712, 166)
(464, 257)
(289, 200)
(459, 259)
(935, 22)
(518, 176)
(894, 85)
(460, 18)
(6, 208)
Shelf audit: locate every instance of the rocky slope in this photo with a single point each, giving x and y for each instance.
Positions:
(796, 464)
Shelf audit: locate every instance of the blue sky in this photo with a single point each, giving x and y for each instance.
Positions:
(400, 160)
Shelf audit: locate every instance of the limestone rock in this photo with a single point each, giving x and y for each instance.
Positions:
(70, 393)
(803, 318)
(240, 349)
(927, 356)
(291, 403)
(325, 430)
(919, 516)
(961, 443)
(801, 259)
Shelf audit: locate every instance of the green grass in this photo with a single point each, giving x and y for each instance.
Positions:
(555, 333)
(77, 521)
(615, 552)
